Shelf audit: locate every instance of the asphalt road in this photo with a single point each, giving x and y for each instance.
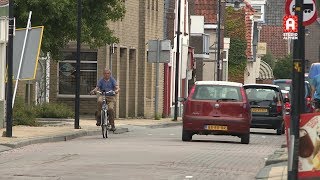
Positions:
(142, 153)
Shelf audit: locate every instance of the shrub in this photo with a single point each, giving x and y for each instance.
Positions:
(53, 110)
(23, 114)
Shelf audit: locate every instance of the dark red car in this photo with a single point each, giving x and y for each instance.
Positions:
(285, 84)
(217, 108)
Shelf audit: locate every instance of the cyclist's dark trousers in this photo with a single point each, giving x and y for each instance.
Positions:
(110, 102)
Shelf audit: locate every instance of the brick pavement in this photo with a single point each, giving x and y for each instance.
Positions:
(65, 129)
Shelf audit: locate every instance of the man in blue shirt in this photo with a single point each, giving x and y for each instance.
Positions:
(314, 80)
(315, 91)
(106, 83)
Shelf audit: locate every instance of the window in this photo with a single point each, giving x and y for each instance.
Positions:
(67, 76)
(217, 92)
(260, 9)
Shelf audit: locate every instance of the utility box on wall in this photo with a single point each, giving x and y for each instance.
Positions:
(163, 47)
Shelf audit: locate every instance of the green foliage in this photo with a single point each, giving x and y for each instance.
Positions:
(59, 18)
(268, 58)
(23, 114)
(157, 116)
(235, 23)
(237, 52)
(283, 68)
(53, 110)
(235, 29)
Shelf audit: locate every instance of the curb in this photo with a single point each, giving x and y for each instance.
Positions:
(57, 138)
(263, 174)
(279, 156)
(163, 125)
(72, 135)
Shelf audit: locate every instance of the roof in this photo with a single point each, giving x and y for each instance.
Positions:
(3, 2)
(282, 80)
(249, 24)
(261, 85)
(223, 83)
(206, 8)
(272, 35)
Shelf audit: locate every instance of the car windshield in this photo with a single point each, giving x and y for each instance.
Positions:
(217, 92)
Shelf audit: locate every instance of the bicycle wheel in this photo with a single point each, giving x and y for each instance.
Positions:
(104, 128)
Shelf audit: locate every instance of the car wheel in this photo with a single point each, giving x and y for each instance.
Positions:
(245, 139)
(186, 136)
(280, 129)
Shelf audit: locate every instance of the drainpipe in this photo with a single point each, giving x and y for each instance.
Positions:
(167, 82)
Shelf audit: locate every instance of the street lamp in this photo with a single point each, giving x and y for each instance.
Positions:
(236, 4)
(176, 90)
(219, 63)
(77, 98)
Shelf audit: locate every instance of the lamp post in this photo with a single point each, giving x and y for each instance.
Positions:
(10, 71)
(297, 90)
(176, 90)
(219, 63)
(77, 98)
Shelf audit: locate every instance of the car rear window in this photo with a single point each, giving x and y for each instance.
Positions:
(217, 92)
(261, 94)
(283, 85)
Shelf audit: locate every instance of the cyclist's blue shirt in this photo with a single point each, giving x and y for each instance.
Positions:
(107, 85)
(315, 82)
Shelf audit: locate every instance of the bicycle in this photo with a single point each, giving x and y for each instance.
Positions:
(105, 124)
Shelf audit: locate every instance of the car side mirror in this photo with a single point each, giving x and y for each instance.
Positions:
(182, 99)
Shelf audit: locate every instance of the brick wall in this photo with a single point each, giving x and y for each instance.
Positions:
(136, 77)
(312, 42)
(276, 45)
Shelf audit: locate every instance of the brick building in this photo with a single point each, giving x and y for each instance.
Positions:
(271, 31)
(143, 21)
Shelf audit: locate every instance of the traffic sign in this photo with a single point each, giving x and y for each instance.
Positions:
(290, 27)
(309, 10)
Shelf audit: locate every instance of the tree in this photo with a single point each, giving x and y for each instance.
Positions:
(268, 58)
(59, 18)
(283, 68)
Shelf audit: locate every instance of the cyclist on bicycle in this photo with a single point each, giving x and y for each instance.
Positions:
(106, 83)
(314, 79)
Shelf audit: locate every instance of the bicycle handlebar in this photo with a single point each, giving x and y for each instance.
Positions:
(108, 92)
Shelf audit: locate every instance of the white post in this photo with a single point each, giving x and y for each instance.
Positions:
(47, 75)
(3, 40)
(2, 70)
(21, 58)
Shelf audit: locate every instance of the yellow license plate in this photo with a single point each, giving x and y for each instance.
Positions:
(217, 128)
(259, 110)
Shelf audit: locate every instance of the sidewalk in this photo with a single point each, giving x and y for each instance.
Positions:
(63, 129)
(275, 166)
